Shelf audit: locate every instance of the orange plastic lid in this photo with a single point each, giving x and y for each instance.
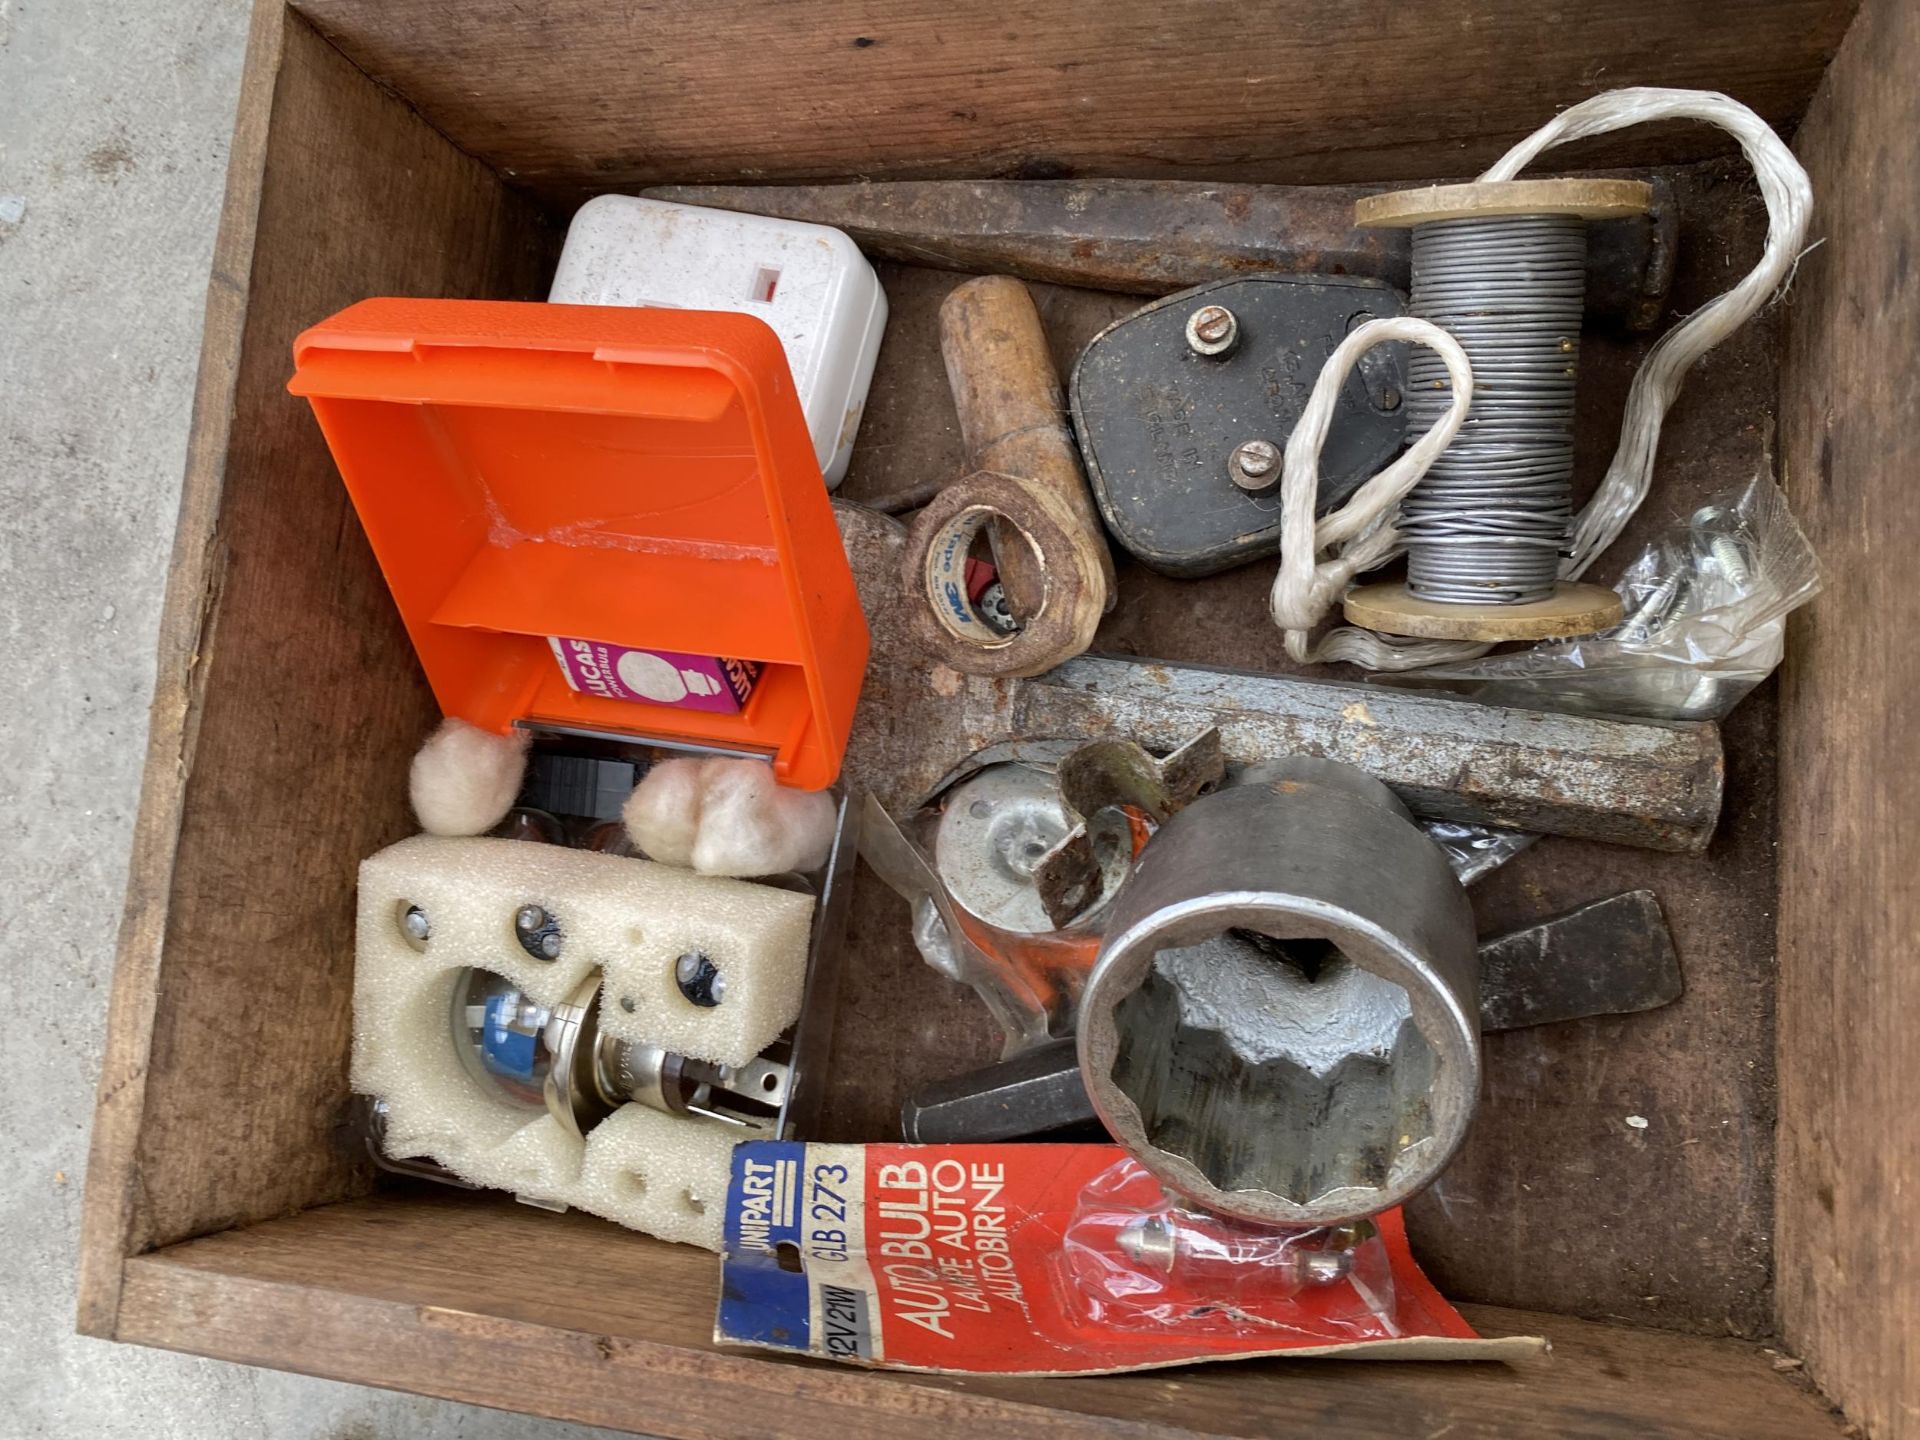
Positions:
(643, 478)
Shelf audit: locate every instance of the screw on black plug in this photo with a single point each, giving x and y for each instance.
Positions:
(1212, 331)
(1255, 465)
(700, 979)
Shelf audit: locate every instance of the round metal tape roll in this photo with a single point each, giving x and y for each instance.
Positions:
(935, 566)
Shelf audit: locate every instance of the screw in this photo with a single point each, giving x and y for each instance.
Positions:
(1212, 330)
(1725, 548)
(700, 979)
(538, 932)
(1255, 465)
(416, 925)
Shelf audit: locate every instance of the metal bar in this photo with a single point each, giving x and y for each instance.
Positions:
(1623, 781)
(805, 1092)
(1611, 957)
(1035, 1093)
(1152, 237)
(1628, 782)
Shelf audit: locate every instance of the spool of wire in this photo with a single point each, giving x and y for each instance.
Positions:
(1501, 267)
(1490, 519)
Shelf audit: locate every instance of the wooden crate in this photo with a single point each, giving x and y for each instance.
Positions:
(416, 148)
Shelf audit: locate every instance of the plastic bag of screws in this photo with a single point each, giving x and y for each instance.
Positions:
(968, 1259)
(1705, 622)
(1131, 1258)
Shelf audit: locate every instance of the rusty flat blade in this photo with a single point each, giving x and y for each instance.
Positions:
(1611, 957)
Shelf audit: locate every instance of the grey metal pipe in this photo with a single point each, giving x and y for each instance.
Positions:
(1628, 782)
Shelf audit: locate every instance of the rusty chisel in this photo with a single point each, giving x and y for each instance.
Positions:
(1152, 237)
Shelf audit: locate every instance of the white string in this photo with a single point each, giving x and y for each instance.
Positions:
(1307, 586)
(1789, 200)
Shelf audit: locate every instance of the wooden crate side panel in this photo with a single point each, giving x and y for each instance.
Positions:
(288, 700)
(597, 1325)
(583, 97)
(192, 583)
(1848, 1183)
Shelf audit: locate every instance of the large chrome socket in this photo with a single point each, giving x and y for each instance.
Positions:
(1283, 1023)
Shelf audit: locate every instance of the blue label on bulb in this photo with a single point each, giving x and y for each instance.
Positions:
(506, 1049)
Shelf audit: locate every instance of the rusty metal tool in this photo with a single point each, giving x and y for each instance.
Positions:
(1610, 957)
(1026, 496)
(1152, 237)
(1627, 782)
(1037, 1094)
(1100, 782)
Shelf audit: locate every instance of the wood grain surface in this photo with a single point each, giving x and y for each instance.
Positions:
(576, 1318)
(287, 701)
(287, 705)
(1848, 1240)
(574, 99)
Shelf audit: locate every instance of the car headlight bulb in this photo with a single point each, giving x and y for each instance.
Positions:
(556, 1058)
(501, 1036)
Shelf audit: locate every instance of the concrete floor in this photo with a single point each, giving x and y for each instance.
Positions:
(114, 121)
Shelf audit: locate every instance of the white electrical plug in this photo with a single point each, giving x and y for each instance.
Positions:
(809, 282)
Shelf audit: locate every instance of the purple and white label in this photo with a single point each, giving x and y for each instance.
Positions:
(655, 677)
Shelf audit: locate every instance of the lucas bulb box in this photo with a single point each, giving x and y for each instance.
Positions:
(657, 677)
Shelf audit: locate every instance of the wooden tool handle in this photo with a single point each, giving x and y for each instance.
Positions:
(1012, 416)
(1025, 489)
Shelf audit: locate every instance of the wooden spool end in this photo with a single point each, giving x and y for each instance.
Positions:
(1575, 609)
(1589, 199)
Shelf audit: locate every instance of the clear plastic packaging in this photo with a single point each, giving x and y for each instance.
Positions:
(1475, 850)
(1131, 1259)
(1030, 981)
(1037, 1259)
(1706, 608)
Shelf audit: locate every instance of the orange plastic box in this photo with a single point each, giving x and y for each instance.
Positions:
(636, 477)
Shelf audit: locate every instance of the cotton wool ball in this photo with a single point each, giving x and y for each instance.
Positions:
(750, 824)
(465, 779)
(662, 815)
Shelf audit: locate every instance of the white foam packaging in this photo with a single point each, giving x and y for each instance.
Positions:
(630, 920)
